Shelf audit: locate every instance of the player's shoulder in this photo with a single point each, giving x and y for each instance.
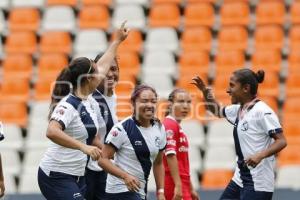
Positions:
(170, 121)
(262, 107)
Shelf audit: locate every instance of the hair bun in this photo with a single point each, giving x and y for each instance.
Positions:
(260, 75)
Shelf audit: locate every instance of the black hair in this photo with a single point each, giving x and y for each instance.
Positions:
(247, 76)
(67, 80)
(171, 98)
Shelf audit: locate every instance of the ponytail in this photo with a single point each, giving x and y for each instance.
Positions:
(260, 75)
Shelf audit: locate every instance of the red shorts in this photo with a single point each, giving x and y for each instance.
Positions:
(185, 187)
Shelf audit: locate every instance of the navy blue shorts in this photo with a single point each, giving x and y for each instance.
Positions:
(61, 186)
(123, 195)
(95, 182)
(235, 192)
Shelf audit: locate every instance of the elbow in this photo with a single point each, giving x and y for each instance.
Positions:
(50, 133)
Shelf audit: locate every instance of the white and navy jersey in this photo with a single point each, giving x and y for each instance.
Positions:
(252, 134)
(79, 119)
(136, 149)
(107, 107)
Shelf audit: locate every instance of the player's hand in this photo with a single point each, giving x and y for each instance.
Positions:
(199, 83)
(92, 151)
(132, 183)
(2, 188)
(177, 193)
(122, 32)
(195, 195)
(253, 160)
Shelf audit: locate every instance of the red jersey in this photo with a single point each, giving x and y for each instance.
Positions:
(177, 143)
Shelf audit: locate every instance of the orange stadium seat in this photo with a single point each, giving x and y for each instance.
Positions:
(233, 38)
(268, 60)
(294, 61)
(167, 1)
(161, 109)
(94, 17)
(56, 42)
(289, 156)
(17, 66)
(270, 86)
(124, 89)
(294, 38)
(271, 101)
(216, 178)
(221, 84)
(130, 61)
(295, 12)
(21, 42)
(194, 62)
(162, 15)
(96, 2)
(24, 19)
(134, 42)
(11, 112)
(72, 3)
(270, 12)
(185, 80)
(49, 65)
(197, 1)
(292, 84)
(291, 130)
(196, 39)
(269, 37)
(124, 108)
(15, 90)
(291, 106)
(228, 61)
(235, 13)
(43, 87)
(199, 14)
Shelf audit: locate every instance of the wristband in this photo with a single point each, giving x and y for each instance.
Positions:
(160, 191)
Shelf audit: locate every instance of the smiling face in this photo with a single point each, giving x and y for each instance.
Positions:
(112, 76)
(181, 105)
(145, 105)
(236, 90)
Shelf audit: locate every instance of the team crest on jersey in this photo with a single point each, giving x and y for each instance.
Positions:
(170, 133)
(114, 133)
(60, 111)
(245, 126)
(157, 141)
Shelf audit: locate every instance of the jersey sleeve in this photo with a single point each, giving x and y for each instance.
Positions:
(116, 137)
(163, 141)
(171, 133)
(270, 122)
(230, 112)
(63, 114)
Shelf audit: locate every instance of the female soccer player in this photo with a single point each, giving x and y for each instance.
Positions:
(136, 143)
(73, 125)
(178, 183)
(106, 98)
(257, 135)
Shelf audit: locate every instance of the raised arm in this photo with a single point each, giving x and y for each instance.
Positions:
(211, 104)
(105, 61)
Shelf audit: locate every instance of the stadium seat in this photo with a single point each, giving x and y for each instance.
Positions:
(213, 160)
(124, 89)
(268, 37)
(21, 42)
(289, 156)
(195, 157)
(164, 15)
(159, 62)
(43, 87)
(270, 86)
(161, 109)
(124, 108)
(199, 14)
(130, 62)
(294, 38)
(220, 133)
(295, 12)
(27, 3)
(233, 38)
(59, 18)
(15, 90)
(1, 49)
(13, 138)
(32, 158)
(194, 62)
(134, 42)
(161, 39)
(19, 116)
(133, 13)
(288, 177)
(216, 178)
(161, 82)
(94, 17)
(184, 81)
(56, 42)
(17, 66)
(268, 60)
(291, 107)
(4, 4)
(96, 2)
(294, 61)
(195, 132)
(166, 1)
(292, 84)
(10, 161)
(38, 114)
(29, 182)
(90, 41)
(36, 138)
(228, 61)
(72, 3)
(10, 183)
(24, 19)
(270, 12)
(291, 131)
(2, 22)
(235, 13)
(196, 39)
(49, 65)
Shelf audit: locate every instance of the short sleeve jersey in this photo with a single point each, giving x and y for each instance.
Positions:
(177, 143)
(82, 124)
(252, 134)
(126, 158)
